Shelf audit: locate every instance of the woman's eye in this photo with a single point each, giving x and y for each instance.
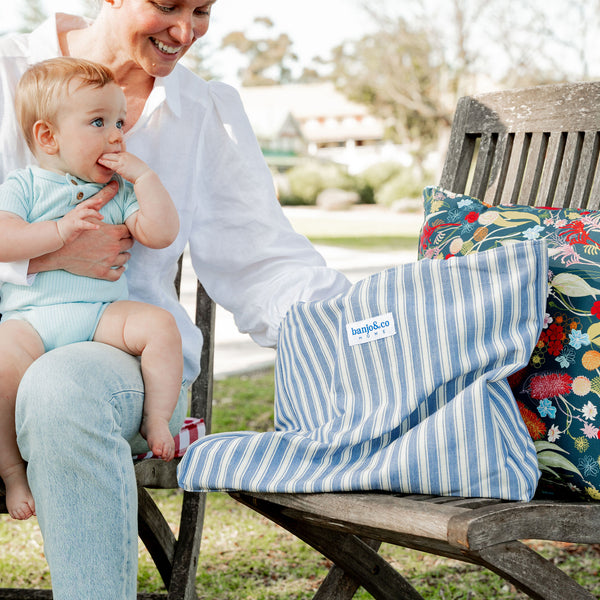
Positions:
(98, 122)
(162, 7)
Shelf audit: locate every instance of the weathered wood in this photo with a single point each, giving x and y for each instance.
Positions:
(375, 513)
(156, 534)
(460, 154)
(187, 549)
(515, 168)
(499, 168)
(531, 573)
(357, 557)
(156, 473)
(587, 169)
(483, 167)
(534, 168)
(563, 107)
(577, 522)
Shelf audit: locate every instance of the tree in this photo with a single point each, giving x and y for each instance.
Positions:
(32, 14)
(268, 58)
(425, 54)
(397, 72)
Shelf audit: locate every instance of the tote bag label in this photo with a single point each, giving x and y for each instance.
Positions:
(369, 330)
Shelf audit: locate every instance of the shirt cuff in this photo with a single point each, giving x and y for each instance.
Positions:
(16, 272)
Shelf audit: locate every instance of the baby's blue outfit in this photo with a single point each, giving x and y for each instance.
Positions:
(62, 307)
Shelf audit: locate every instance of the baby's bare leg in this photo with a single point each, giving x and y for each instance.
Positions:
(150, 332)
(20, 345)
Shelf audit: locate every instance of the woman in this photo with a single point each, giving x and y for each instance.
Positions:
(196, 136)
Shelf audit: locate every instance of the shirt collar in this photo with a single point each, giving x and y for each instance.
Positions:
(167, 90)
(44, 44)
(44, 39)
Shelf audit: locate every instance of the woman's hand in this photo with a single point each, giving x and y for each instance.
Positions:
(99, 253)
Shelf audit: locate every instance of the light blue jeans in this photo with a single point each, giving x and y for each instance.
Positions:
(78, 415)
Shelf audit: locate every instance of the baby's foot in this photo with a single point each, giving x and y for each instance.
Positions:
(156, 431)
(19, 500)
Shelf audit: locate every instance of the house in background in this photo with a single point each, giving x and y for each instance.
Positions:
(316, 120)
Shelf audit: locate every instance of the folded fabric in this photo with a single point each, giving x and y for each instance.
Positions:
(398, 385)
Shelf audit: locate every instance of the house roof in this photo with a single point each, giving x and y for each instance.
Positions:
(322, 112)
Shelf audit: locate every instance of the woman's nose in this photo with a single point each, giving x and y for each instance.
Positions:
(183, 31)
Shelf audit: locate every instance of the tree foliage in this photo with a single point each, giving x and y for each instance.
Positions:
(268, 59)
(424, 54)
(32, 14)
(396, 72)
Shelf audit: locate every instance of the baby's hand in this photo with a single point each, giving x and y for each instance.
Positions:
(78, 220)
(127, 165)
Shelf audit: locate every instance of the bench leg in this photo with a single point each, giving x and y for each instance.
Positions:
(530, 572)
(187, 550)
(357, 558)
(176, 560)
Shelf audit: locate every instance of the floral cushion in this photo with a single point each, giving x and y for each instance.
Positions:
(558, 392)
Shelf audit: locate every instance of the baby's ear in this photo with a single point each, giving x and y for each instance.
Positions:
(45, 138)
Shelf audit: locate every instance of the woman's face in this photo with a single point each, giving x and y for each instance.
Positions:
(157, 33)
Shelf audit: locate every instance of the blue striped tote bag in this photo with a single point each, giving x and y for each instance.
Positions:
(398, 385)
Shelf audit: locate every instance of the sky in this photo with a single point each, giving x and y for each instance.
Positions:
(314, 26)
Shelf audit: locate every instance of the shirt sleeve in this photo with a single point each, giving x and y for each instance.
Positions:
(13, 149)
(12, 200)
(127, 198)
(243, 248)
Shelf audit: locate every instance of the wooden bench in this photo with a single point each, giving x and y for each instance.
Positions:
(176, 559)
(535, 146)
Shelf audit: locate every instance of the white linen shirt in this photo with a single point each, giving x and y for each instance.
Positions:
(197, 137)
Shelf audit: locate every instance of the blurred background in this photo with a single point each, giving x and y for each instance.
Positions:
(352, 100)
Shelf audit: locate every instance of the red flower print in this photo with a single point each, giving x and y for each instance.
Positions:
(553, 336)
(596, 309)
(576, 234)
(428, 231)
(550, 385)
(472, 217)
(535, 426)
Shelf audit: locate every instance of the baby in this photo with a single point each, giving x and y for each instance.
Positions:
(72, 114)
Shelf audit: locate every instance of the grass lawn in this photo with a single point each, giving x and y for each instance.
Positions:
(246, 557)
(382, 243)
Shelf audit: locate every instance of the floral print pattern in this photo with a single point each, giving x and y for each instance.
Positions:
(558, 393)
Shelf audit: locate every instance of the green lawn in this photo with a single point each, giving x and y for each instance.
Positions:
(382, 243)
(246, 557)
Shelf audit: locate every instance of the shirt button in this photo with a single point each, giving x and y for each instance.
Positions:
(80, 196)
(73, 182)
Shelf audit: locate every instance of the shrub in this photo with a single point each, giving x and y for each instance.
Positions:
(403, 185)
(378, 174)
(307, 180)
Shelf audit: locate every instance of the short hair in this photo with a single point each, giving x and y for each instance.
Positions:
(44, 86)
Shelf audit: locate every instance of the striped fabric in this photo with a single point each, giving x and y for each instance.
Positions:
(398, 385)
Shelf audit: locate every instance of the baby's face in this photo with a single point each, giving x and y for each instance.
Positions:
(89, 124)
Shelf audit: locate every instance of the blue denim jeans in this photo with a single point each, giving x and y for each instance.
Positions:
(78, 415)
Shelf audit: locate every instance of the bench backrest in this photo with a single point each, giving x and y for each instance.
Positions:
(504, 152)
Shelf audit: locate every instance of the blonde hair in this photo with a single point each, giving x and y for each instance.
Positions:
(45, 85)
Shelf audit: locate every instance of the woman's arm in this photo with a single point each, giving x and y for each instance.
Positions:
(100, 253)
(156, 223)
